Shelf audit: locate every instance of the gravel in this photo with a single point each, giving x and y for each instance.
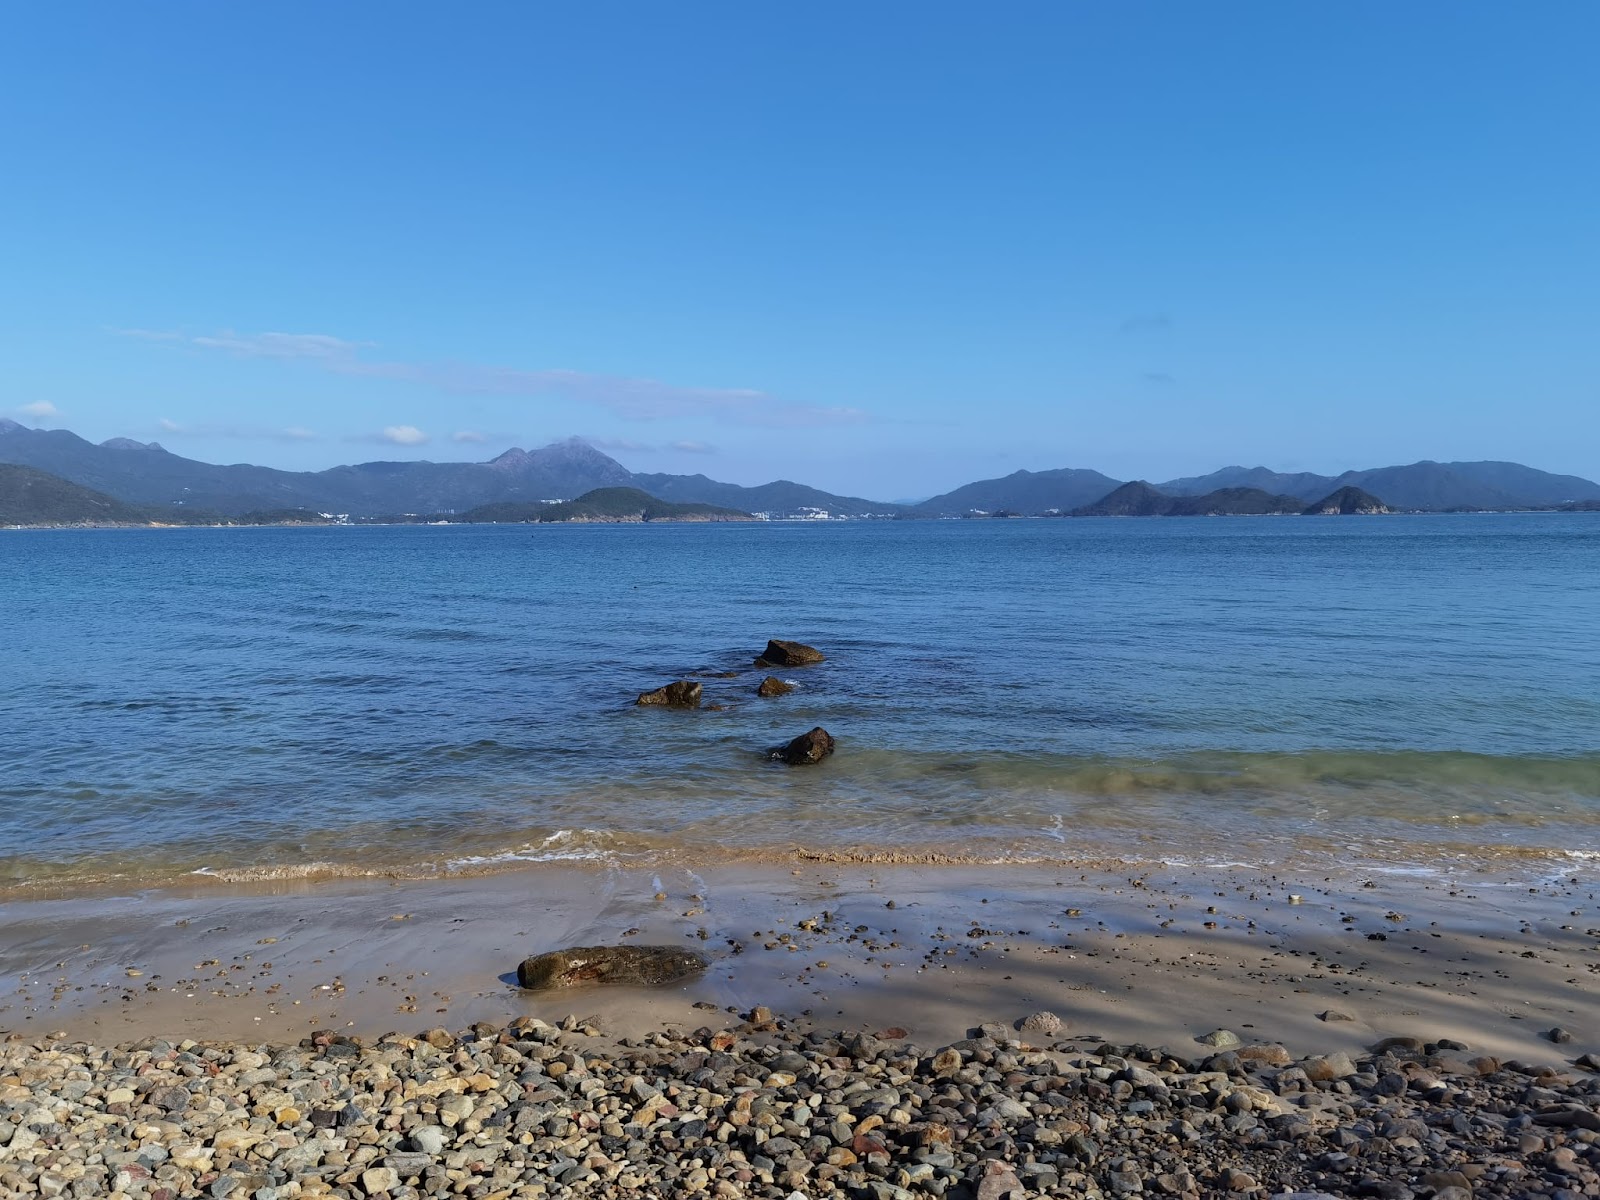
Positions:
(763, 1109)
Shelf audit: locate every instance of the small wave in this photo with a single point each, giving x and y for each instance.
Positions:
(287, 871)
(910, 857)
(564, 845)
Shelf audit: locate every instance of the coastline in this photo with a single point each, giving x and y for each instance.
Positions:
(759, 519)
(1150, 953)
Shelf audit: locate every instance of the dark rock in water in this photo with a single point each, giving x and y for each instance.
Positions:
(806, 749)
(773, 686)
(685, 693)
(788, 654)
(637, 965)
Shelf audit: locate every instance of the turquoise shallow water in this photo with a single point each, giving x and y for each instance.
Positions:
(291, 700)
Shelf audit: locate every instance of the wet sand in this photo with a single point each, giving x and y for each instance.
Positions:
(1157, 954)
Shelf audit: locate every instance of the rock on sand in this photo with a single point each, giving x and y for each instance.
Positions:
(646, 965)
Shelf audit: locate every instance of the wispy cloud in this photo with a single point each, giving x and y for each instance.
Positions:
(280, 345)
(403, 435)
(630, 446)
(1145, 324)
(630, 398)
(625, 444)
(39, 408)
(469, 435)
(246, 433)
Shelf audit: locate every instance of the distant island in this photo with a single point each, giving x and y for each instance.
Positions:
(1347, 501)
(610, 506)
(154, 486)
(1140, 499)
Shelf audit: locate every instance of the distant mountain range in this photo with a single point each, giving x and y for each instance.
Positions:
(1424, 486)
(1023, 492)
(146, 476)
(145, 473)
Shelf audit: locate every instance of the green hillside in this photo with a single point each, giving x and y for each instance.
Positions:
(30, 497)
(1234, 502)
(607, 505)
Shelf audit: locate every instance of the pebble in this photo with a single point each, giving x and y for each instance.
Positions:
(534, 1111)
(1325, 1068)
(1046, 1023)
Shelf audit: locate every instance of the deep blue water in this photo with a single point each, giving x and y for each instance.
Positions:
(371, 698)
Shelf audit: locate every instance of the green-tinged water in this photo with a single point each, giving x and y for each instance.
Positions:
(258, 701)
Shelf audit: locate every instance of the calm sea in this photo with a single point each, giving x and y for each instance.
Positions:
(293, 701)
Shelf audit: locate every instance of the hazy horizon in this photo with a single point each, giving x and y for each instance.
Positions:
(621, 456)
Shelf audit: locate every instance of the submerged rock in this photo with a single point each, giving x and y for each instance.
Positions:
(806, 749)
(773, 686)
(789, 654)
(685, 693)
(638, 965)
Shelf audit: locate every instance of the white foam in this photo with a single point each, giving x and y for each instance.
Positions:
(561, 846)
(266, 874)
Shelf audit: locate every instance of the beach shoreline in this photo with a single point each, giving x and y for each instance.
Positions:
(887, 1031)
(1151, 953)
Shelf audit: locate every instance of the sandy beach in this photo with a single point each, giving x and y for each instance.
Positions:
(1130, 953)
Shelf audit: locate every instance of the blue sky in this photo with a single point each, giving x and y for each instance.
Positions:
(882, 248)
